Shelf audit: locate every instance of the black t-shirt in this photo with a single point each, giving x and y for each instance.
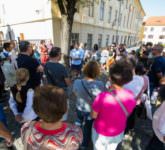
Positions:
(31, 64)
(158, 66)
(56, 74)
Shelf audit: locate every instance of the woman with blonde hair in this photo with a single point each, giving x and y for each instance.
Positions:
(21, 99)
(86, 90)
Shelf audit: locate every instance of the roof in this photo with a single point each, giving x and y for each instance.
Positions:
(155, 21)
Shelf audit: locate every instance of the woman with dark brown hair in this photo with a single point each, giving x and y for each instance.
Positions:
(86, 90)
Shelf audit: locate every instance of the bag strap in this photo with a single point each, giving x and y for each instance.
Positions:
(86, 90)
(121, 104)
(145, 86)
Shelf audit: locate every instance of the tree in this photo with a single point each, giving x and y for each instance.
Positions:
(68, 8)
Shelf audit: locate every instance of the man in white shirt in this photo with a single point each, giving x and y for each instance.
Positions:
(6, 53)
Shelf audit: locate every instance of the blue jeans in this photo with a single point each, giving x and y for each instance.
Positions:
(86, 125)
(2, 116)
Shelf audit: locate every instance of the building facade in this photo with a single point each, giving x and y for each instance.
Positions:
(154, 30)
(103, 22)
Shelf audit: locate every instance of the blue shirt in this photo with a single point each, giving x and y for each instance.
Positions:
(77, 56)
(158, 66)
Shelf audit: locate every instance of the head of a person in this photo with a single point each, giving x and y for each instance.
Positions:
(140, 69)
(121, 72)
(22, 76)
(131, 59)
(25, 47)
(76, 45)
(42, 42)
(96, 47)
(157, 50)
(13, 44)
(71, 47)
(7, 46)
(149, 45)
(91, 70)
(55, 52)
(81, 45)
(54, 99)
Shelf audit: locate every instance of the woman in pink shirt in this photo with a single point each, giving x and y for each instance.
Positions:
(111, 109)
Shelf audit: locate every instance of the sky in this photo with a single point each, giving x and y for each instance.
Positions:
(154, 7)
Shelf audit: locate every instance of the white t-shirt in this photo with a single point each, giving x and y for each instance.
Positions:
(77, 56)
(136, 85)
(104, 56)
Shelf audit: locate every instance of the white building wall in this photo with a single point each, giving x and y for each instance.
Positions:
(157, 32)
(32, 18)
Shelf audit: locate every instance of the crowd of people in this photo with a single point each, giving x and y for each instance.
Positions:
(40, 86)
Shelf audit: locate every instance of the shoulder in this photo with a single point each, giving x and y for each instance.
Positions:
(128, 97)
(74, 130)
(103, 95)
(99, 83)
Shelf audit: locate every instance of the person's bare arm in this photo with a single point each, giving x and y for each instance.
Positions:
(4, 133)
(67, 81)
(94, 114)
(40, 68)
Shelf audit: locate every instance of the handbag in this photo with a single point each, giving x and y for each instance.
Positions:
(88, 93)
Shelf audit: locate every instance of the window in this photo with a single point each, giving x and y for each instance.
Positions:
(162, 37)
(121, 40)
(126, 4)
(116, 14)
(163, 29)
(75, 38)
(102, 4)
(113, 39)
(145, 29)
(100, 36)
(150, 36)
(89, 41)
(91, 9)
(110, 14)
(107, 40)
(120, 19)
(124, 21)
(152, 29)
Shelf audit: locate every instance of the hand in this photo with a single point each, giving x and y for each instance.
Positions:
(40, 69)
(9, 140)
(18, 118)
